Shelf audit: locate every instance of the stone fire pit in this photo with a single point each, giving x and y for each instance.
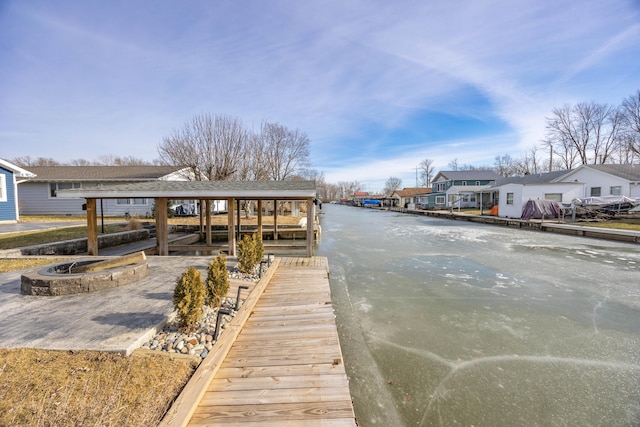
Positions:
(87, 275)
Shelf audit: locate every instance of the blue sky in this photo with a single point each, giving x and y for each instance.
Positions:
(378, 86)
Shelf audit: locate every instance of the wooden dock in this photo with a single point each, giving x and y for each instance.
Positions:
(285, 367)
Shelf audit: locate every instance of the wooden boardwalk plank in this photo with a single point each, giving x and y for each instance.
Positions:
(267, 371)
(279, 343)
(285, 367)
(277, 382)
(297, 414)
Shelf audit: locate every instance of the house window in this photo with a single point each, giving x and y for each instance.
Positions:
(3, 188)
(616, 190)
(441, 186)
(595, 191)
(509, 198)
(472, 198)
(477, 182)
(439, 200)
(131, 201)
(55, 186)
(464, 182)
(555, 197)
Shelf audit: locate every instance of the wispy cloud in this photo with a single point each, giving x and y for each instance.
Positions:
(366, 80)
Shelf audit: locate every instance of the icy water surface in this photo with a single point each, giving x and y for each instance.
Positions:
(450, 323)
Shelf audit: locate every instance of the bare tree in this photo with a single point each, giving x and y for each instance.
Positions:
(391, 185)
(586, 131)
(453, 164)
(562, 154)
(211, 146)
(349, 188)
(426, 172)
(26, 161)
(505, 165)
(111, 160)
(323, 189)
(536, 165)
(286, 151)
(329, 192)
(608, 122)
(229, 145)
(627, 149)
(80, 162)
(631, 121)
(253, 165)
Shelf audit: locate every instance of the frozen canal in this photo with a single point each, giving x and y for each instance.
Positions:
(453, 323)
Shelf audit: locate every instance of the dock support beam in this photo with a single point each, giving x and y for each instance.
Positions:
(310, 225)
(260, 218)
(275, 220)
(231, 235)
(207, 205)
(162, 227)
(92, 228)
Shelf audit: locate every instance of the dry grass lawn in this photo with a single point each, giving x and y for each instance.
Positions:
(12, 264)
(28, 238)
(88, 388)
(620, 224)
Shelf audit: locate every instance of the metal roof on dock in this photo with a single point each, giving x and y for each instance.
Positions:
(197, 190)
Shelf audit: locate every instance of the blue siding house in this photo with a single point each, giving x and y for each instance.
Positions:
(462, 189)
(10, 176)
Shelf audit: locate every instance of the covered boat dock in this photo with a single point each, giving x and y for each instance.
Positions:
(205, 192)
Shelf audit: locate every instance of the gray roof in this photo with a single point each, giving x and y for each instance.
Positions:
(101, 173)
(536, 178)
(628, 172)
(470, 175)
(197, 190)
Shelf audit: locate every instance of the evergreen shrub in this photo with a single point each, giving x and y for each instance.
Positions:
(217, 280)
(259, 247)
(250, 252)
(188, 298)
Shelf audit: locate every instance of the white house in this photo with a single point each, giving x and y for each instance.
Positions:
(38, 196)
(514, 192)
(409, 197)
(606, 180)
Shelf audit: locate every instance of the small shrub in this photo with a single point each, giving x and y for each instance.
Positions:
(259, 247)
(250, 252)
(188, 298)
(133, 224)
(217, 280)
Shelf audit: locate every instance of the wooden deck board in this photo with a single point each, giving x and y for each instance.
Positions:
(285, 367)
(297, 414)
(265, 371)
(277, 382)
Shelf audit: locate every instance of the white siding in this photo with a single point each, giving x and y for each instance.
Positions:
(593, 178)
(514, 210)
(568, 190)
(524, 193)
